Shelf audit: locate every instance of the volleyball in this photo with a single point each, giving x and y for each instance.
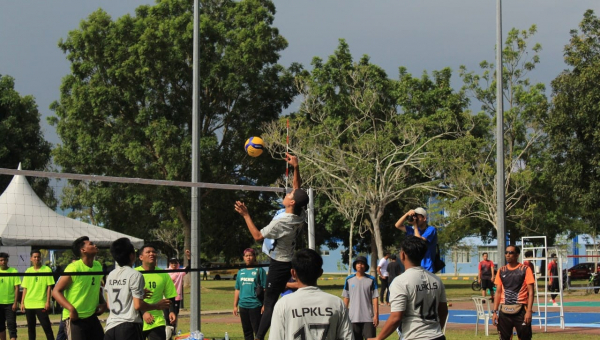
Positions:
(254, 146)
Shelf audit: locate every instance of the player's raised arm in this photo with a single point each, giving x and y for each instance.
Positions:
(293, 161)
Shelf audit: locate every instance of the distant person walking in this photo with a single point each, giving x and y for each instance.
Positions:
(383, 278)
(513, 305)
(36, 296)
(360, 296)
(554, 279)
(419, 228)
(485, 275)
(246, 304)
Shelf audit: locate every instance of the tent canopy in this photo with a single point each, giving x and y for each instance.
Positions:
(25, 220)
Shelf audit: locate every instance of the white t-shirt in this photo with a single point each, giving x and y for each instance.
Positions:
(383, 263)
(283, 229)
(122, 285)
(310, 314)
(417, 293)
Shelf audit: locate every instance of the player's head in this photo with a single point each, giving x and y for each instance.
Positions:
(512, 254)
(413, 250)
(361, 264)
(298, 199)
(36, 256)
(529, 253)
(386, 254)
(307, 266)
(83, 246)
(173, 263)
(147, 254)
(485, 256)
(554, 258)
(4, 260)
(249, 256)
(123, 251)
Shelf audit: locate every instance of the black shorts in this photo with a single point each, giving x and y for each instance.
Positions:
(487, 284)
(89, 328)
(158, 333)
(126, 330)
(508, 322)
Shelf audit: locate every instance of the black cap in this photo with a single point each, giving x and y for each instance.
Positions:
(361, 259)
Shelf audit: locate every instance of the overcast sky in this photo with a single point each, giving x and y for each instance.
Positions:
(421, 35)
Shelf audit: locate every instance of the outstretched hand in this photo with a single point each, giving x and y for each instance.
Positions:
(241, 208)
(292, 160)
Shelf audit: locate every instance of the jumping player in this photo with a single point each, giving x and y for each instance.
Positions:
(80, 295)
(159, 285)
(310, 313)
(418, 297)
(36, 296)
(284, 229)
(125, 290)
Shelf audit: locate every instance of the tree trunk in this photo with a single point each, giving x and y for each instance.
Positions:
(375, 216)
(350, 248)
(374, 257)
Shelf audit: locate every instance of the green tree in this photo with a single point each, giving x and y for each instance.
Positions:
(471, 163)
(573, 126)
(354, 139)
(21, 139)
(125, 110)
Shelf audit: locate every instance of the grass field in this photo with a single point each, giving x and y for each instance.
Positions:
(218, 296)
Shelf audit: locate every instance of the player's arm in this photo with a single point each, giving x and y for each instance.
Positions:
(347, 302)
(142, 306)
(293, 161)
(23, 299)
(48, 297)
(442, 313)
(242, 210)
(479, 273)
(493, 271)
(236, 300)
(400, 223)
(102, 305)
(16, 301)
(59, 296)
(529, 311)
(499, 289)
(375, 311)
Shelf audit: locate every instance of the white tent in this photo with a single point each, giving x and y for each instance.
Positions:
(25, 220)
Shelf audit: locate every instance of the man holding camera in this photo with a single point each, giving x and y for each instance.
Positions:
(419, 228)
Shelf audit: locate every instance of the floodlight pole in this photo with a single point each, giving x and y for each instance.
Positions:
(195, 220)
(500, 199)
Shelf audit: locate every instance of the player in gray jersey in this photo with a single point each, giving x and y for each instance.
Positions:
(125, 290)
(309, 313)
(418, 297)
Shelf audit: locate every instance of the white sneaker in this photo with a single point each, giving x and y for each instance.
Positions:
(555, 304)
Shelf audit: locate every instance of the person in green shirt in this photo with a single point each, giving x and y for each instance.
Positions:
(81, 295)
(9, 293)
(35, 300)
(160, 285)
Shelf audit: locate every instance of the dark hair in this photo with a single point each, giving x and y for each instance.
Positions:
(121, 249)
(517, 250)
(308, 265)
(415, 249)
(4, 256)
(300, 201)
(141, 250)
(78, 244)
(386, 253)
(529, 253)
(484, 254)
(35, 251)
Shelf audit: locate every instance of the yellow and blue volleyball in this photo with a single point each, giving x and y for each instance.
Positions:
(254, 146)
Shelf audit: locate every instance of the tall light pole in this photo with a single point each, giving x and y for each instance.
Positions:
(195, 220)
(499, 137)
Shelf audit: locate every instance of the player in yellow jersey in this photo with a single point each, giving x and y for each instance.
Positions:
(81, 295)
(9, 292)
(160, 285)
(36, 296)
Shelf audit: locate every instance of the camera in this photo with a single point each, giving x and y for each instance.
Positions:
(411, 218)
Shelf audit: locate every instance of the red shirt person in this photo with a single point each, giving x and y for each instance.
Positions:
(485, 275)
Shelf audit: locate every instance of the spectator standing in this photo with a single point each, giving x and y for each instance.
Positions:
(35, 301)
(160, 286)
(418, 297)
(485, 275)
(80, 295)
(383, 277)
(125, 291)
(394, 270)
(310, 313)
(177, 278)
(9, 293)
(554, 279)
(360, 296)
(514, 297)
(246, 304)
(419, 228)
(284, 230)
